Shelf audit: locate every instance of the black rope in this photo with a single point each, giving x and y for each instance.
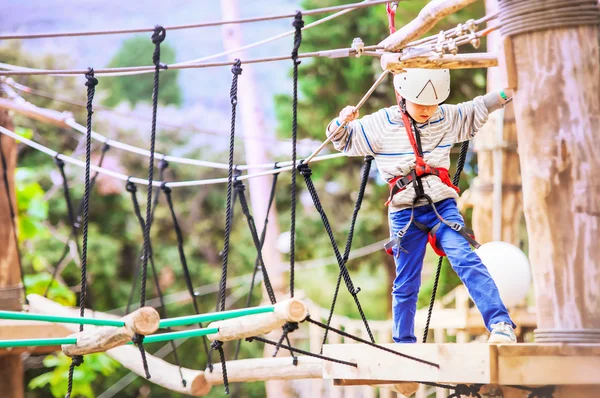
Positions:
(162, 166)
(462, 158)
(299, 351)
(306, 173)
(298, 24)
(252, 226)
(236, 70)
(218, 345)
(288, 328)
(262, 242)
(91, 83)
(182, 258)
(366, 169)
(12, 212)
(361, 340)
(542, 392)
(74, 218)
(132, 189)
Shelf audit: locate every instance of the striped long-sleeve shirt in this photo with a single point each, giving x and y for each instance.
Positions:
(382, 135)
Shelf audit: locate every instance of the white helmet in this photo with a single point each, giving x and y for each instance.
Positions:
(423, 86)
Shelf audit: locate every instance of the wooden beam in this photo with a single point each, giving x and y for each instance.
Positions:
(460, 61)
(13, 330)
(430, 15)
(261, 369)
(43, 115)
(142, 321)
(515, 364)
(291, 310)
(163, 373)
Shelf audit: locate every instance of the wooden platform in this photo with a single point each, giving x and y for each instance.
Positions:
(472, 363)
(15, 330)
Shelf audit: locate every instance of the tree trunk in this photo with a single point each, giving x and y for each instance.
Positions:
(556, 107)
(497, 204)
(11, 367)
(253, 124)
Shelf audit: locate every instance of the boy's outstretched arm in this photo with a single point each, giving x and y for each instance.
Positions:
(468, 117)
(360, 137)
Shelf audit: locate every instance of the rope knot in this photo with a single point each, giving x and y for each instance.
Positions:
(236, 69)
(105, 147)
(216, 345)
(163, 164)
(290, 327)
(137, 339)
(77, 360)
(298, 21)
(59, 162)
(166, 189)
(159, 34)
(305, 170)
(130, 187)
(91, 80)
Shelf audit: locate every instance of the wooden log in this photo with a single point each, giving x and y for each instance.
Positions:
(11, 366)
(292, 310)
(394, 63)
(163, 373)
(43, 115)
(261, 369)
(558, 98)
(142, 321)
(431, 14)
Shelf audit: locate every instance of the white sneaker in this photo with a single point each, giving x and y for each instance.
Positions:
(502, 332)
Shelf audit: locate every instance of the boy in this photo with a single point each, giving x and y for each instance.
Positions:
(411, 144)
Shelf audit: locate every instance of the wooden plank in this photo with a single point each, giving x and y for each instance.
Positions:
(15, 330)
(434, 61)
(375, 364)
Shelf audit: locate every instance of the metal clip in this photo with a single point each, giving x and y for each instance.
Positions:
(439, 46)
(452, 48)
(358, 46)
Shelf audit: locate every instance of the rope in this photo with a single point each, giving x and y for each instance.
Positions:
(177, 184)
(315, 11)
(91, 83)
(236, 70)
(534, 15)
(183, 260)
(11, 209)
(132, 189)
(306, 173)
(361, 193)
(256, 262)
(298, 25)
(342, 333)
(14, 70)
(462, 158)
(257, 243)
(299, 351)
(74, 218)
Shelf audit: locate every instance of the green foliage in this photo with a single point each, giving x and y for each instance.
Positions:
(83, 375)
(137, 51)
(38, 283)
(31, 205)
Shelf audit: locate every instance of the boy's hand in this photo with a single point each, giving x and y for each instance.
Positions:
(348, 114)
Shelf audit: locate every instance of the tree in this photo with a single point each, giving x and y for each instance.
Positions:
(138, 88)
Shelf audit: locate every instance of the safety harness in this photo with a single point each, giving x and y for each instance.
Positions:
(422, 169)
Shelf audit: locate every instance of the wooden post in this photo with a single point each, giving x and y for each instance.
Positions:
(557, 102)
(495, 219)
(11, 367)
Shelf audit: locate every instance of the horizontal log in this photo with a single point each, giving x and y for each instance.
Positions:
(43, 115)
(292, 310)
(394, 63)
(261, 369)
(142, 321)
(429, 15)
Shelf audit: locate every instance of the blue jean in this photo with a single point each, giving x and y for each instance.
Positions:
(464, 261)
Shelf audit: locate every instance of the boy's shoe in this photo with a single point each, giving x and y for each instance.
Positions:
(502, 332)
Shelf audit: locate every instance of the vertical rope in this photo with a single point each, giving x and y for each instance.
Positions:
(298, 24)
(91, 90)
(236, 70)
(462, 158)
(13, 216)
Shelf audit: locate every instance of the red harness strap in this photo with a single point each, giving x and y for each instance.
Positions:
(391, 13)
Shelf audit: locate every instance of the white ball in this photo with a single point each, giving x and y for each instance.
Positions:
(509, 268)
(283, 242)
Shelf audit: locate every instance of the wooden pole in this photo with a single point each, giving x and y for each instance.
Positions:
(557, 103)
(256, 153)
(11, 366)
(497, 202)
